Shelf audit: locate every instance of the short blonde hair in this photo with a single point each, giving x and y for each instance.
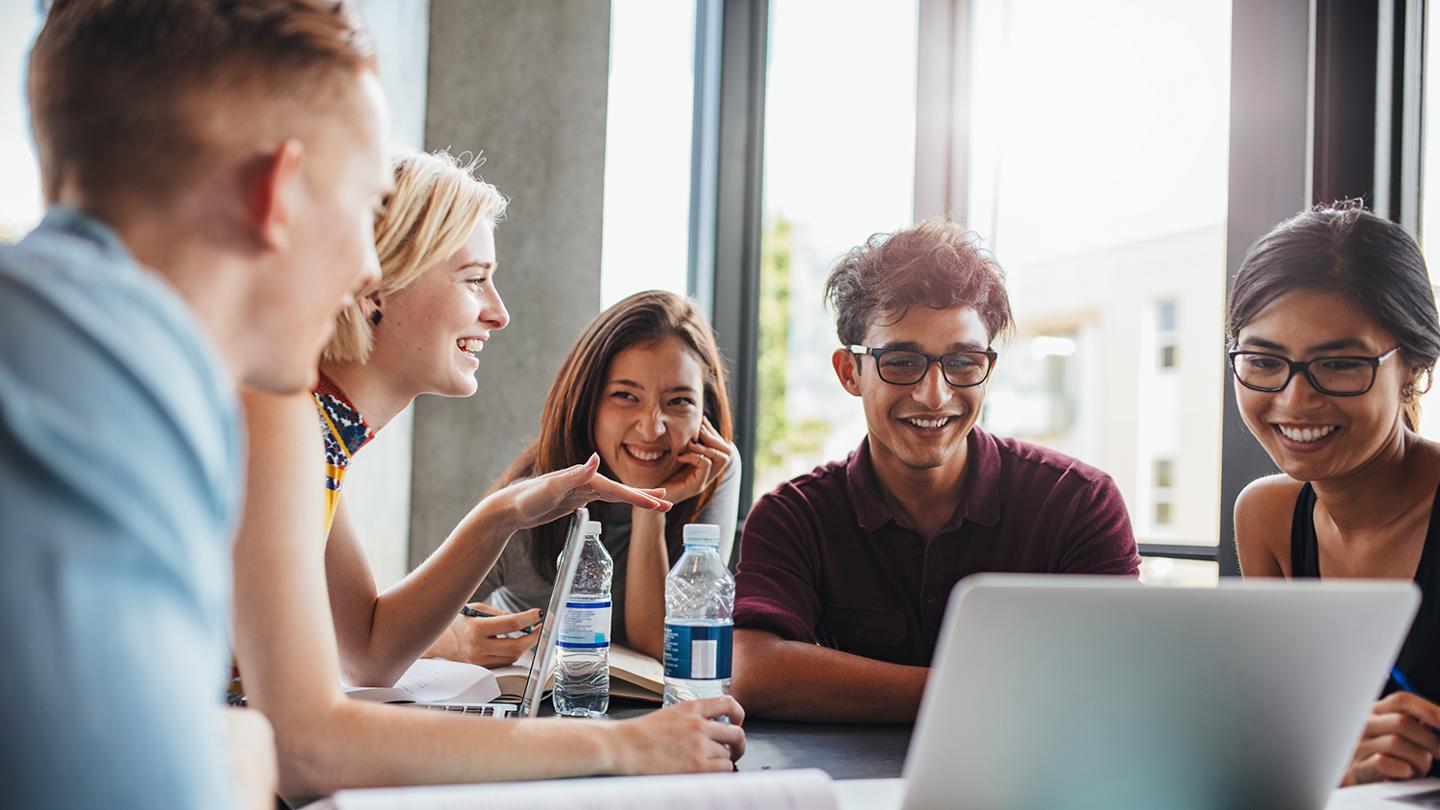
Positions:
(437, 202)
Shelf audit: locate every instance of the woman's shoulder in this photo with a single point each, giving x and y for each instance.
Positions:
(1266, 500)
(1263, 514)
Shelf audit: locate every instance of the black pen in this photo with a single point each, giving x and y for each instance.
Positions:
(466, 610)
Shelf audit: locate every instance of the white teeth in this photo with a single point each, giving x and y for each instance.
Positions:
(929, 423)
(1306, 435)
(644, 456)
(472, 345)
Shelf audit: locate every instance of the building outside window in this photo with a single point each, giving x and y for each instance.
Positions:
(1098, 153)
(1166, 335)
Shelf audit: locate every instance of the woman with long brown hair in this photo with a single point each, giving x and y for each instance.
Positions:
(644, 389)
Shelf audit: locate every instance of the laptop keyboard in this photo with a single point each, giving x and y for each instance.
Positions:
(481, 709)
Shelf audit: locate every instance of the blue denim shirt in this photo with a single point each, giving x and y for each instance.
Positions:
(121, 470)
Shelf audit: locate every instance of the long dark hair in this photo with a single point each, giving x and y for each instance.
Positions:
(1342, 248)
(567, 423)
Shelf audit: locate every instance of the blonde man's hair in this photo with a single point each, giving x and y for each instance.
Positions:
(437, 202)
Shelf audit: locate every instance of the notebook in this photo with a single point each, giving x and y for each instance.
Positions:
(795, 790)
(633, 675)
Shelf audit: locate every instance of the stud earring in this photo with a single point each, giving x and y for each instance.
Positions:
(375, 318)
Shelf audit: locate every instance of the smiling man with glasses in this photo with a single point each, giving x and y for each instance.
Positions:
(845, 572)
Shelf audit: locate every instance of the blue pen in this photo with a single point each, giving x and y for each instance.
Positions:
(1400, 680)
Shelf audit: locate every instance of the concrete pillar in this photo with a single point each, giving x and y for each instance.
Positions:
(524, 83)
(377, 486)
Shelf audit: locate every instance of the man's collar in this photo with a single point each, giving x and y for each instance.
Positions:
(979, 500)
(79, 223)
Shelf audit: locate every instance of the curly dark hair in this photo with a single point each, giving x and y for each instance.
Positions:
(934, 263)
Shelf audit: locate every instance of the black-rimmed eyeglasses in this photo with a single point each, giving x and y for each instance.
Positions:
(906, 367)
(1332, 376)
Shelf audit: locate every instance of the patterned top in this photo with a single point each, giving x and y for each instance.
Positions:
(345, 432)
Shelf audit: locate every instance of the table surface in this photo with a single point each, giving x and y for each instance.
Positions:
(843, 751)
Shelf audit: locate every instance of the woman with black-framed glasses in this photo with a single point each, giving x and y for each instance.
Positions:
(1333, 337)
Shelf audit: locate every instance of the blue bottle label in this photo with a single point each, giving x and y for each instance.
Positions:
(584, 625)
(698, 651)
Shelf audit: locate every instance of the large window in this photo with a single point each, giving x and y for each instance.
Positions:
(1091, 140)
(1430, 203)
(839, 166)
(645, 240)
(1097, 176)
(20, 201)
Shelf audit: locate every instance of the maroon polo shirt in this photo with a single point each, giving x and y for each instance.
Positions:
(824, 560)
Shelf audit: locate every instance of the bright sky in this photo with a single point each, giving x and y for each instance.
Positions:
(1098, 123)
(646, 234)
(840, 118)
(19, 178)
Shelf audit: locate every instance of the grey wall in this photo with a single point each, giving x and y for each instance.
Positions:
(377, 486)
(525, 83)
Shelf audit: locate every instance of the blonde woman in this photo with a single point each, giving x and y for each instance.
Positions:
(418, 332)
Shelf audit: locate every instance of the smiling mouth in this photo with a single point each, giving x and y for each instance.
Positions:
(470, 345)
(644, 456)
(931, 424)
(1306, 434)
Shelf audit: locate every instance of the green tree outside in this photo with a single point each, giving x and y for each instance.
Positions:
(778, 438)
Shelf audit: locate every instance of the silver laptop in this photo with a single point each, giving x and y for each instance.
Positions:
(1094, 692)
(544, 653)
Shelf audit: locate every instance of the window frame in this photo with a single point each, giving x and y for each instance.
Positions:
(1325, 104)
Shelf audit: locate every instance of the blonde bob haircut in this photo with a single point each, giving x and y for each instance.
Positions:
(437, 202)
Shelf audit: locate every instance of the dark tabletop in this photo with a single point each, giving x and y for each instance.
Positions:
(860, 751)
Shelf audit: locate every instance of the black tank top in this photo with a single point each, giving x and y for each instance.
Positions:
(1419, 659)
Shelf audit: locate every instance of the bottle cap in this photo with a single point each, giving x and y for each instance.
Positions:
(702, 534)
(592, 527)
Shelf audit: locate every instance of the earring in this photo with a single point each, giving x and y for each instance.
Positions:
(375, 318)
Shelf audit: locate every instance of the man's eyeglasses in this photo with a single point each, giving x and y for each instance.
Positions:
(905, 367)
(1332, 376)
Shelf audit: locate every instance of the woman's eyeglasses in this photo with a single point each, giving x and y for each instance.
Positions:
(1333, 376)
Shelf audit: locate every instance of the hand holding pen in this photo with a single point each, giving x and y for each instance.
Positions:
(1400, 739)
(473, 612)
(488, 637)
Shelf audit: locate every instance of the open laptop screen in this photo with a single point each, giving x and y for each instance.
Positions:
(545, 648)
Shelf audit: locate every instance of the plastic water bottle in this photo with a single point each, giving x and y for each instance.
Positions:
(582, 677)
(699, 602)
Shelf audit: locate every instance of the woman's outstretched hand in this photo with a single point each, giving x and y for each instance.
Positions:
(544, 498)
